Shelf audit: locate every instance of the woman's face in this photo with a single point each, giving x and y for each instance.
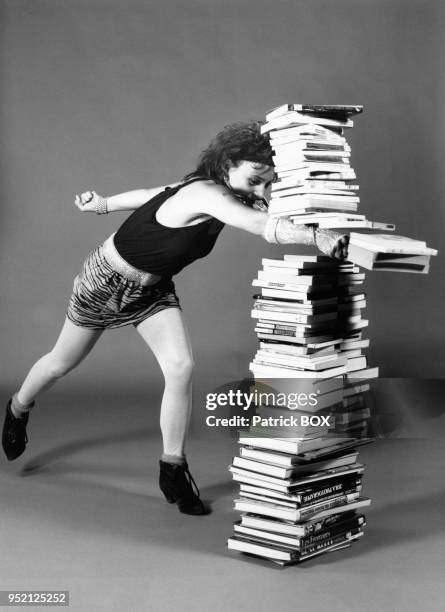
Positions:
(251, 180)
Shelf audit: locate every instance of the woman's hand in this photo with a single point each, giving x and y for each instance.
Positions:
(332, 243)
(88, 201)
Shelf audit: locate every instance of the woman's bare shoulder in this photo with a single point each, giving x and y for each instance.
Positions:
(203, 186)
(188, 205)
(194, 195)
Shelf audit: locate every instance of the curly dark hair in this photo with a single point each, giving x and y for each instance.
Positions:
(235, 143)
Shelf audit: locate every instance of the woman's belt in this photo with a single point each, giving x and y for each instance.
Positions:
(118, 263)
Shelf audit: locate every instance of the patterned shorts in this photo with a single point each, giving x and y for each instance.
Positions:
(103, 298)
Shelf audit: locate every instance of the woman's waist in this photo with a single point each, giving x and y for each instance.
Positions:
(120, 265)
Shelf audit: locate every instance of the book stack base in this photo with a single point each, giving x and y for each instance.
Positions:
(301, 484)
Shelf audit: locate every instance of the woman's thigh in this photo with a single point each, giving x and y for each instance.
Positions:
(167, 335)
(74, 343)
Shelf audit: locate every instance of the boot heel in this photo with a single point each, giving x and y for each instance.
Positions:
(177, 485)
(168, 493)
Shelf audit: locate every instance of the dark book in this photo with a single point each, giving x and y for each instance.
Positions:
(294, 491)
(263, 548)
(299, 530)
(295, 515)
(347, 524)
(329, 110)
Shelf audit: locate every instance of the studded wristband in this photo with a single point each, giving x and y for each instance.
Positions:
(101, 206)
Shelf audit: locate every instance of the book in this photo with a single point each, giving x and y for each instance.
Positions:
(391, 243)
(269, 366)
(300, 362)
(293, 446)
(293, 464)
(391, 262)
(333, 516)
(294, 515)
(290, 478)
(295, 118)
(342, 110)
(347, 524)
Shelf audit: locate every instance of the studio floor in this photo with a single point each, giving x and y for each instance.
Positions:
(81, 511)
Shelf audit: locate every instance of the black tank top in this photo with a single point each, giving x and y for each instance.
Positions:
(150, 246)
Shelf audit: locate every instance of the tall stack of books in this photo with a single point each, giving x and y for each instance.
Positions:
(300, 486)
(300, 479)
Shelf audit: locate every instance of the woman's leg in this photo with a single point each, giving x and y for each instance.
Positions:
(72, 346)
(167, 336)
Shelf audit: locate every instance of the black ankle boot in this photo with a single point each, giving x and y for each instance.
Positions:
(178, 486)
(14, 436)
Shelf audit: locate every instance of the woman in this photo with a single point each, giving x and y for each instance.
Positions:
(129, 280)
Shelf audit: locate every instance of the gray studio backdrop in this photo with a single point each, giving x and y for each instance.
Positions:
(110, 95)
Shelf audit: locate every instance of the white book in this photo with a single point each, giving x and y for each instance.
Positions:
(310, 340)
(295, 118)
(313, 200)
(354, 344)
(303, 190)
(314, 197)
(291, 144)
(279, 273)
(391, 243)
(356, 363)
(291, 462)
(349, 354)
(308, 364)
(309, 166)
(364, 374)
(303, 142)
(282, 291)
(344, 223)
(296, 372)
(285, 156)
(279, 317)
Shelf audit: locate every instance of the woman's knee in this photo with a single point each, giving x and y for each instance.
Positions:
(178, 369)
(57, 366)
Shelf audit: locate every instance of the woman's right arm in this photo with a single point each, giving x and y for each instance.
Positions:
(90, 201)
(218, 202)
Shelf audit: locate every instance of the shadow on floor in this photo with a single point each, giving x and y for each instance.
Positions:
(43, 462)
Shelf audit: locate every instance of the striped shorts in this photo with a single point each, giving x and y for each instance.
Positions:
(104, 298)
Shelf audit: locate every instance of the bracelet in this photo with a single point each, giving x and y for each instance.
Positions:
(101, 206)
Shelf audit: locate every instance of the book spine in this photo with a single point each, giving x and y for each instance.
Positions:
(309, 511)
(329, 492)
(338, 539)
(341, 527)
(329, 522)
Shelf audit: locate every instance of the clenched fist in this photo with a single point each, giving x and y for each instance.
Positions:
(332, 243)
(88, 201)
